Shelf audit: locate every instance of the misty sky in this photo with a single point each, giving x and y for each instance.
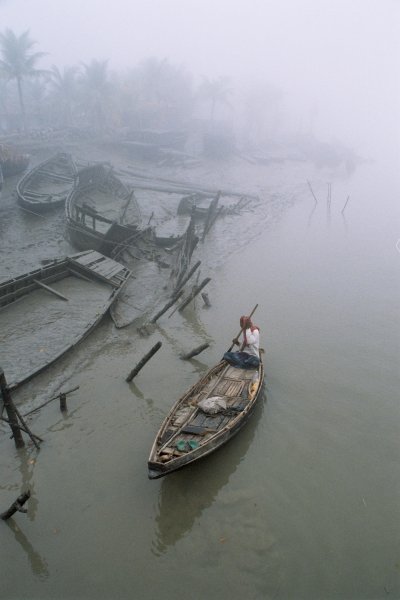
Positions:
(337, 58)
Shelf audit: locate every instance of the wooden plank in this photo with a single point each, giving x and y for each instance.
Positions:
(88, 258)
(49, 289)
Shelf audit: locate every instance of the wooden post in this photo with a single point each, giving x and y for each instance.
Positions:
(26, 428)
(188, 276)
(144, 360)
(63, 402)
(51, 400)
(206, 299)
(166, 307)
(11, 413)
(197, 289)
(343, 209)
(212, 209)
(16, 506)
(312, 191)
(194, 352)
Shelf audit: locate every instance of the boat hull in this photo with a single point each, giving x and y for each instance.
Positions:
(48, 184)
(42, 316)
(157, 468)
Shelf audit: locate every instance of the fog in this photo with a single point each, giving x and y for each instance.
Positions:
(335, 63)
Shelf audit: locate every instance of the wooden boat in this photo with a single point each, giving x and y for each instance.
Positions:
(189, 433)
(11, 162)
(157, 270)
(46, 312)
(98, 208)
(48, 184)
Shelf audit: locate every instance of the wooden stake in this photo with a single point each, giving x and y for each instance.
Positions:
(166, 307)
(144, 360)
(51, 400)
(194, 352)
(196, 290)
(348, 198)
(188, 276)
(312, 191)
(206, 299)
(10, 408)
(63, 402)
(16, 506)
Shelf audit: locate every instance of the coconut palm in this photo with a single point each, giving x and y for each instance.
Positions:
(19, 62)
(165, 89)
(96, 91)
(217, 91)
(63, 85)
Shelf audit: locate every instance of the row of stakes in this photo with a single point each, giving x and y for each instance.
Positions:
(17, 422)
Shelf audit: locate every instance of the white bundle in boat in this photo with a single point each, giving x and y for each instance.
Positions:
(212, 405)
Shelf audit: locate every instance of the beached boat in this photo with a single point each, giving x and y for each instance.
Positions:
(12, 162)
(193, 430)
(46, 312)
(158, 267)
(48, 184)
(101, 210)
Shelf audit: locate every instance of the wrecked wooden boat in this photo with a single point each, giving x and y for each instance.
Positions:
(46, 312)
(157, 269)
(12, 162)
(209, 414)
(101, 210)
(48, 184)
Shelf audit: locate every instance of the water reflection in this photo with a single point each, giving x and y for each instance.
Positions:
(27, 461)
(185, 494)
(38, 564)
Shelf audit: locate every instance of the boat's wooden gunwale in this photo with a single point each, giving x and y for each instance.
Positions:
(70, 266)
(212, 440)
(57, 170)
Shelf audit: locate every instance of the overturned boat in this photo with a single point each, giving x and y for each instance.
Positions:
(48, 184)
(46, 312)
(207, 416)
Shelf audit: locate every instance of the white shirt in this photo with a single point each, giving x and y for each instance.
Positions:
(253, 342)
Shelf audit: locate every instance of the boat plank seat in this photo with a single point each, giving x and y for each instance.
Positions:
(88, 257)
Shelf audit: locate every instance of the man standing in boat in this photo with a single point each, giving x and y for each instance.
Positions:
(248, 357)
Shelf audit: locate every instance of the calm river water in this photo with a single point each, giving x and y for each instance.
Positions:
(304, 502)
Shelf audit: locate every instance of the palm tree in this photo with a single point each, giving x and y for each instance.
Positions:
(96, 91)
(217, 91)
(64, 90)
(19, 62)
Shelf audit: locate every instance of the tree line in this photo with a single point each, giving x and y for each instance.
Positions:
(151, 94)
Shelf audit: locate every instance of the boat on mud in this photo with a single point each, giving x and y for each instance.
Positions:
(48, 184)
(46, 312)
(207, 416)
(101, 211)
(12, 162)
(158, 266)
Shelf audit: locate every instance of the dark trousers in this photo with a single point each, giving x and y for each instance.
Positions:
(242, 360)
